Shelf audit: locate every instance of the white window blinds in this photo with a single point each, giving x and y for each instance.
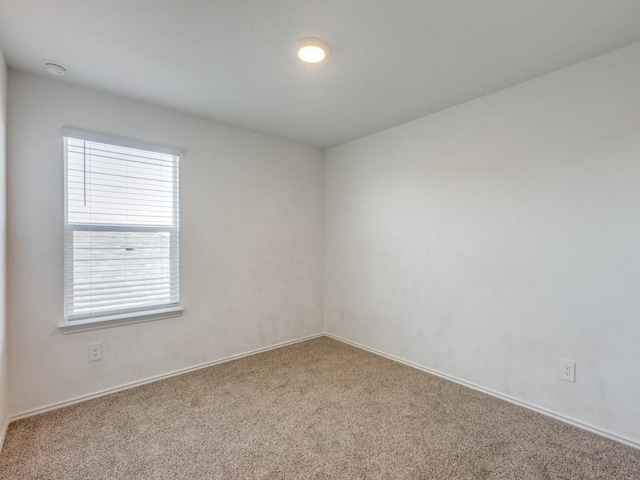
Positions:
(121, 226)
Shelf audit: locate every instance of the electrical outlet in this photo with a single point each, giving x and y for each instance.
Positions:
(95, 351)
(567, 370)
(341, 312)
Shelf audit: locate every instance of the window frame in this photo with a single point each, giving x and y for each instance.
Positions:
(78, 323)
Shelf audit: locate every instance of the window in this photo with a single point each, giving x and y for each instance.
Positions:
(121, 231)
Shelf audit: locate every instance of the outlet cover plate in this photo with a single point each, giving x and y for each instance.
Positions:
(567, 370)
(95, 351)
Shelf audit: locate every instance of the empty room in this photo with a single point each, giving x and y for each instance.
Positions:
(319, 239)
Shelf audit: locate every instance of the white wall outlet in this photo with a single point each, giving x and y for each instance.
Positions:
(567, 370)
(341, 312)
(95, 351)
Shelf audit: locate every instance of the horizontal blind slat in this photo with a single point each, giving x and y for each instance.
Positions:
(117, 272)
(121, 300)
(131, 179)
(80, 189)
(99, 286)
(102, 153)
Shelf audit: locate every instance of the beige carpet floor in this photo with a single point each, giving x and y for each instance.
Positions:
(317, 410)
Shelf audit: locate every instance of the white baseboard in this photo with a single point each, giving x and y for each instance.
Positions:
(126, 386)
(493, 393)
(488, 391)
(3, 433)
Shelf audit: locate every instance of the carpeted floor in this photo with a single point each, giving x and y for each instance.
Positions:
(318, 409)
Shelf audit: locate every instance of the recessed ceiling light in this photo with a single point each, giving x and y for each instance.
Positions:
(312, 50)
(55, 69)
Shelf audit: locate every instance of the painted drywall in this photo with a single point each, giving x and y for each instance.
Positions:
(490, 240)
(3, 256)
(251, 244)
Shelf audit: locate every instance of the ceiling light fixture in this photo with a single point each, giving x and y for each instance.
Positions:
(312, 50)
(55, 69)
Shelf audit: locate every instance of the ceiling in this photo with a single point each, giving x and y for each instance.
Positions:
(233, 60)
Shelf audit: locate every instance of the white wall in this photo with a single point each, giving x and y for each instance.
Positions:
(251, 244)
(3, 234)
(489, 240)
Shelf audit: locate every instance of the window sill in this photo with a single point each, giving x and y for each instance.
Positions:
(118, 320)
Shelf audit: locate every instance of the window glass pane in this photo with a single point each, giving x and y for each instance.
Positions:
(121, 270)
(114, 185)
(121, 233)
